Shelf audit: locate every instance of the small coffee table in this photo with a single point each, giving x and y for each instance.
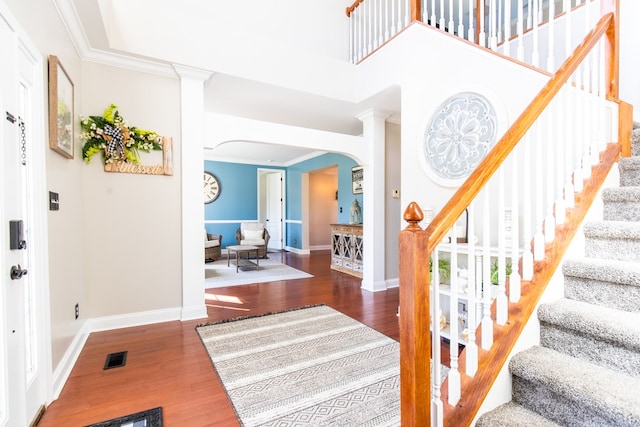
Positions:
(239, 250)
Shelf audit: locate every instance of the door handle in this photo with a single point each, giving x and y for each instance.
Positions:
(17, 272)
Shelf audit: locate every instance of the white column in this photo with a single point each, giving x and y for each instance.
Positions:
(192, 165)
(373, 207)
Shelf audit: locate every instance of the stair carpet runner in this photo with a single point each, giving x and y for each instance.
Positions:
(586, 371)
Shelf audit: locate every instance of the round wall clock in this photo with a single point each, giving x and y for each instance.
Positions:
(211, 187)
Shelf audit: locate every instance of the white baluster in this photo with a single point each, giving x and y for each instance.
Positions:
(472, 31)
(351, 38)
(551, 63)
(407, 13)
(441, 22)
(527, 254)
(387, 32)
(549, 148)
(461, 19)
(487, 322)
(507, 28)
(394, 3)
(538, 239)
(481, 34)
(502, 306)
(436, 402)
(499, 23)
(425, 11)
(472, 283)
(451, 25)
(433, 20)
(560, 207)
(540, 14)
(529, 14)
(569, 190)
(567, 28)
(454, 374)
(535, 53)
(520, 29)
(514, 278)
(493, 38)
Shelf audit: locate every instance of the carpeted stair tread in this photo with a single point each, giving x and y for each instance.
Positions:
(513, 415)
(613, 240)
(612, 229)
(600, 322)
(604, 336)
(587, 390)
(621, 194)
(615, 271)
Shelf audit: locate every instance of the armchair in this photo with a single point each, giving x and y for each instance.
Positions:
(212, 246)
(254, 234)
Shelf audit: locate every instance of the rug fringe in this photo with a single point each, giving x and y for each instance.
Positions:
(251, 316)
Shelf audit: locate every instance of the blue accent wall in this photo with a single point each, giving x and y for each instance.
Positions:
(238, 199)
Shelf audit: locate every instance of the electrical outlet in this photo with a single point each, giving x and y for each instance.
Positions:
(77, 310)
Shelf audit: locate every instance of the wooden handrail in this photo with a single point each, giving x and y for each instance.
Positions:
(353, 7)
(414, 297)
(449, 214)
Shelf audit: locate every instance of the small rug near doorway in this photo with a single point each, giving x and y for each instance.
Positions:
(310, 366)
(218, 275)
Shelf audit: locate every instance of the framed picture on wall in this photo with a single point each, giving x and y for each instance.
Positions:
(356, 179)
(60, 109)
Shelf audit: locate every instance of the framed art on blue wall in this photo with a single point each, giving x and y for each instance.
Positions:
(356, 179)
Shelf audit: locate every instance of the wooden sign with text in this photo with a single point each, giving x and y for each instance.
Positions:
(166, 168)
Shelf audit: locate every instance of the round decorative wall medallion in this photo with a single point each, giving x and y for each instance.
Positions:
(460, 134)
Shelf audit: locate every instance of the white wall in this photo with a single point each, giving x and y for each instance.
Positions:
(132, 222)
(393, 207)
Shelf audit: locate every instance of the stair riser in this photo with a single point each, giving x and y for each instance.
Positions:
(604, 353)
(621, 211)
(630, 178)
(561, 408)
(606, 294)
(618, 249)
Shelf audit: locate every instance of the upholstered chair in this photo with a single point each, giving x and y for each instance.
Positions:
(212, 246)
(254, 234)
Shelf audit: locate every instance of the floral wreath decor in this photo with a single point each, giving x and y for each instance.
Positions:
(118, 142)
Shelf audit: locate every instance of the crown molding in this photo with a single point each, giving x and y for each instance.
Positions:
(71, 21)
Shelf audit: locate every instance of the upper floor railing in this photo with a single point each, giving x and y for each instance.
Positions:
(539, 33)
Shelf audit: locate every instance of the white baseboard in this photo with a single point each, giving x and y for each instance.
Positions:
(393, 283)
(374, 286)
(133, 319)
(320, 248)
(297, 251)
(63, 370)
(193, 313)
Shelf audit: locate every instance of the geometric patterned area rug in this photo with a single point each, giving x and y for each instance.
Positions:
(218, 275)
(309, 366)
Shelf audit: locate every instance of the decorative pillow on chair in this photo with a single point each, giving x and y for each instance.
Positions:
(253, 234)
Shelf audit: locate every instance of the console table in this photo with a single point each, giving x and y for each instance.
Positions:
(347, 248)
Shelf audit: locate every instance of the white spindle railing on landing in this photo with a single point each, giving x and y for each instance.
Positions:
(514, 28)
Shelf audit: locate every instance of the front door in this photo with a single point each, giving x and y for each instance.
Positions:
(22, 368)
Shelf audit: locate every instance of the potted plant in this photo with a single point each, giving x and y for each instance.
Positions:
(494, 271)
(444, 268)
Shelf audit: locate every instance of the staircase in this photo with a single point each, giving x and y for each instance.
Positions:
(586, 371)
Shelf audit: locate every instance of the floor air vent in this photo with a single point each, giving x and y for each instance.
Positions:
(115, 360)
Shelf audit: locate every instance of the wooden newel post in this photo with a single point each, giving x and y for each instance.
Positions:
(415, 338)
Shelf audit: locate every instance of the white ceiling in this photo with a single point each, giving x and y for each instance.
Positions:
(236, 96)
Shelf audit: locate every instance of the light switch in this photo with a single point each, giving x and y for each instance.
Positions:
(395, 194)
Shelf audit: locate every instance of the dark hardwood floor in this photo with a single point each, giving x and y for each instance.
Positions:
(167, 365)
